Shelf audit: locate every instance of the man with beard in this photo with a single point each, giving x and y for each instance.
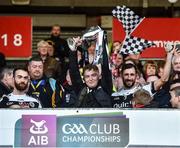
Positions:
(123, 98)
(18, 98)
(46, 90)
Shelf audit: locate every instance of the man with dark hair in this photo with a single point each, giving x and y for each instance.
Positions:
(129, 79)
(123, 98)
(46, 90)
(6, 81)
(97, 87)
(90, 67)
(18, 98)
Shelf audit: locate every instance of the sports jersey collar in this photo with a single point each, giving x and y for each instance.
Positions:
(123, 91)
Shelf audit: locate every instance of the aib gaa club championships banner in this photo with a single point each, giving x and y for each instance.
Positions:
(89, 128)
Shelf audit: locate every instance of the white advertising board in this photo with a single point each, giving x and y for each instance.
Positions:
(146, 127)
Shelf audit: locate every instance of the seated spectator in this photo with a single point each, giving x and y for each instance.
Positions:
(52, 67)
(18, 98)
(6, 81)
(150, 68)
(45, 89)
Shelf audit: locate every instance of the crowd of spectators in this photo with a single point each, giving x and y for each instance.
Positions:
(62, 76)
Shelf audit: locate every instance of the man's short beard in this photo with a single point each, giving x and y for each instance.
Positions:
(127, 86)
(20, 88)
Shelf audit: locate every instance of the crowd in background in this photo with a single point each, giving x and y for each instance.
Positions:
(61, 77)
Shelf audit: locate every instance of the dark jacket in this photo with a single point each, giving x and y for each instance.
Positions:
(97, 97)
(62, 53)
(61, 47)
(43, 91)
(52, 68)
(4, 90)
(163, 96)
(69, 98)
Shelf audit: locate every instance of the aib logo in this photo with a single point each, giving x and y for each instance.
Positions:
(38, 127)
(39, 131)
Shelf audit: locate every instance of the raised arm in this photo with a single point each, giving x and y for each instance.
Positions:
(106, 80)
(73, 66)
(167, 69)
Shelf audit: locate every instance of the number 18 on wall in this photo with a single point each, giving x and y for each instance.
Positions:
(16, 36)
(17, 39)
